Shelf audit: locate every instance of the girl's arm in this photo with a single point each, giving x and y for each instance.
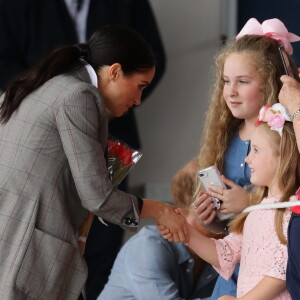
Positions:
(267, 289)
(203, 246)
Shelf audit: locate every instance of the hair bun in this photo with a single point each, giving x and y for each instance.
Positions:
(84, 51)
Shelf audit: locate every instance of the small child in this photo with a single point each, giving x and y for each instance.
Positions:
(258, 239)
(247, 72)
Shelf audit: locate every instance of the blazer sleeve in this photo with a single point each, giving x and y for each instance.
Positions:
(82, 125)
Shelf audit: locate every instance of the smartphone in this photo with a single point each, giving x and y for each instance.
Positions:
(285, 62)
(212, 176)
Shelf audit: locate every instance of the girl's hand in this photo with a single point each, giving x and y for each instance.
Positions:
(234, 199)
(227, 297)
(165, 232)
(174, 222)
(203, 208)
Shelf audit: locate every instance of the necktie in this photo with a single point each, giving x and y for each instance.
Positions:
(79, 4)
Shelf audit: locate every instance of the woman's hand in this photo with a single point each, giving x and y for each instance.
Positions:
(167, 216)
(234, 199)
(289, 95)
(203, 208)
(174, 224)
(227, 297)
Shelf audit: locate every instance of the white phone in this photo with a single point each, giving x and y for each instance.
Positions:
(212, 176)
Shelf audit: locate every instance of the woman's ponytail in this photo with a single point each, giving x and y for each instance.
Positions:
(60, 60)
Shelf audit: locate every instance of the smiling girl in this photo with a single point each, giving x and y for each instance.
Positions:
(258, 239)
(247, 76)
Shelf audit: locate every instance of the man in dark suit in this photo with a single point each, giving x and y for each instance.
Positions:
(31, 28)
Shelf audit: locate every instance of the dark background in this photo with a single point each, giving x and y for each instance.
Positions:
(287, 11)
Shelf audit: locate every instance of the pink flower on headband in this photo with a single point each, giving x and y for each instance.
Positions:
(264, 113)
(275, 116)
(276, 121)
(273, 28)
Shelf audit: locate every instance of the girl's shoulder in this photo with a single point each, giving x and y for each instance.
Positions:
(276, 199)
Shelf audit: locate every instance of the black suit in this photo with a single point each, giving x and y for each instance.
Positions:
(29, 29)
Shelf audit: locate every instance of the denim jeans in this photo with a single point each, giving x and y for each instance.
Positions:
(226, 287)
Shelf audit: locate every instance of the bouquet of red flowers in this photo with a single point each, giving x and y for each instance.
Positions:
(121, 159)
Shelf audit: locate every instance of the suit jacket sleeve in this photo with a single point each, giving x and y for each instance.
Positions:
(82, 125)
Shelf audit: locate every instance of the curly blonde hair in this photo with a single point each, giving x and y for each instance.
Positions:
(182, 185)
(220, 124)
(287, 174)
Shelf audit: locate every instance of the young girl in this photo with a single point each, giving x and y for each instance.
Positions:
(258, 239)
(247, 73)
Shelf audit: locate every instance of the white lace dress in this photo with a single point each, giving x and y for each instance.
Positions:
(258, 250)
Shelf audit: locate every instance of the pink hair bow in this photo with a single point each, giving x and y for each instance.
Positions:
(275, 116)
(273, 28)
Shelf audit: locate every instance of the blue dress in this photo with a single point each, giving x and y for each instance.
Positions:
(238, 171)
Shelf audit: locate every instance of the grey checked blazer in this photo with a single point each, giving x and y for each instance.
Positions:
(52, 172)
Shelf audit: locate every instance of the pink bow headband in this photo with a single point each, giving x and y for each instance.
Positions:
(273, 28)
(275, 116)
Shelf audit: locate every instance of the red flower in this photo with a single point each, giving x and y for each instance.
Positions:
(120, 152)
(120, 160)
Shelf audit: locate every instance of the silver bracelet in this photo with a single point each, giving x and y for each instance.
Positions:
(295, 114)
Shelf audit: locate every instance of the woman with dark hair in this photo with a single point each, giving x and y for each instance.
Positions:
(53, 168)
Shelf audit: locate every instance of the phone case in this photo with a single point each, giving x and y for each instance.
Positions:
(212, 176)
(285, 61)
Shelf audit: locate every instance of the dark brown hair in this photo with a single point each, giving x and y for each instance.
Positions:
(110, 44)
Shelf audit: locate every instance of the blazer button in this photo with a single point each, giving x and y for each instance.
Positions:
(128, 221)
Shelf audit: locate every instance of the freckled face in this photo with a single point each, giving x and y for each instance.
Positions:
(241, 86)
(125, 91)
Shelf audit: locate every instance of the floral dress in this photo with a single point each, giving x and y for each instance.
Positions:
(258, 250)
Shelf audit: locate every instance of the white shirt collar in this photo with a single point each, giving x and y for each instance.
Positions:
(92, 74)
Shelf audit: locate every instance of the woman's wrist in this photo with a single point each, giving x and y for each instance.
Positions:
(151, 209)
(295, 114)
